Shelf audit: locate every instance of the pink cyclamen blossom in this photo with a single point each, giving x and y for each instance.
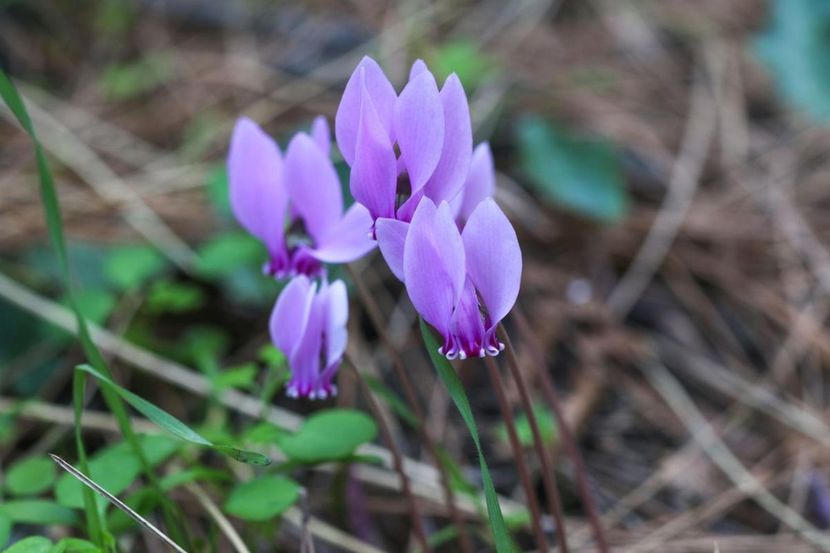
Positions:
(309, 325)
(300, 190)
(430, 128)
(450, 274)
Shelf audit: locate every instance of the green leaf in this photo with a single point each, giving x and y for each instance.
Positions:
(262, 498)
(168, 296)
(173, 425)
(34, 544)
(222, 255)
(329, 435)
(242, 378)
(75, 545)
(113, 470)
(128, 267)
(5, 529)
(272, 356)
(96, 305)
(37, 511)
(31, 476)
(217, 190)
(464, 58)
(547, 427)
(124, 81)
(504, 544)
(794, 47)
(581, 174)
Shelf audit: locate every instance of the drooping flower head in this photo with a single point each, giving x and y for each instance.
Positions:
(294, 203)
(463, 283)
(309, 325)
(402, 148)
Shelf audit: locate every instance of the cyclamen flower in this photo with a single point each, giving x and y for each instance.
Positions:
(294, 204)
(450, 275)
(309, 325)
(430, 128)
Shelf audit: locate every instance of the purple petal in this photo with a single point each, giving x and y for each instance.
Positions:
(433, 264)
(348, 239)
(481, 181)
(347, 119)
(255, 180)
(448, 178)
(374, 175)
(321, 135)
(336, 316)
(391, 235)
(417, 68)
(313, 186)
(290, 315)
(419, 126)
(304, 362)
(494, 259)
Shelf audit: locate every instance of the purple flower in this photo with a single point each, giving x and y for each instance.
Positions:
(294, 204)
(450, 275)
(429, 128)
(309, 325)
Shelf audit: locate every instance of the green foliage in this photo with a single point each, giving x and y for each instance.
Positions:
(223, 254)
(794, 47)
(115, 468)
(216, 184)
(169, 296)
(30, 476)
(262, 498)
(95, 304)
(128, 80)
(5, 529)
(545, 420)
(37, 511)
(75, 545)
(128, 267)
(242, 377)
(578, 173)
(504, 543)
(171, 424)
(328, 435)
(464, 58)
(34, 544)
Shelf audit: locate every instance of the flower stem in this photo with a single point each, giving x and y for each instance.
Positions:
(521, 462)
(376, 319)
(552, 397)
(397, 459)
(548, 475)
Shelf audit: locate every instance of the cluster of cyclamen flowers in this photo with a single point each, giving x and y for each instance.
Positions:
(423, 195)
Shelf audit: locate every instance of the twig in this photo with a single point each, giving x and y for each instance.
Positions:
(700, 129)
(221, 520)
(397, 460)
(551, 490)
(376, 317)
(552, 398)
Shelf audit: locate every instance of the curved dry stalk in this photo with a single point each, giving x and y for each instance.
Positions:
(221, 520)
(397, 459)
(521, 462)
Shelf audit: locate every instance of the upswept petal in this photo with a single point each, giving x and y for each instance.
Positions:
(290, 315)
(453, 167)
(433, 264)
(255, 179)
(336, 316)
(313, 186)
(419, 128)
(321, 135)
(347, 119)
(391, 235)
(481, 181)
(348, 239)
(494, 259)
(374, 177)
(418, 67)
(304, 361)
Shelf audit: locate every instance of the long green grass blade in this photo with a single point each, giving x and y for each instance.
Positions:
(54, 224)
(504, 544)
(171, 424)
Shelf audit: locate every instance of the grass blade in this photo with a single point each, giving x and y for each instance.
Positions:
(504, 543)
(115, 501)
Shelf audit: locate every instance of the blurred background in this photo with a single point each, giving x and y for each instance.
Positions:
(665, 163)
